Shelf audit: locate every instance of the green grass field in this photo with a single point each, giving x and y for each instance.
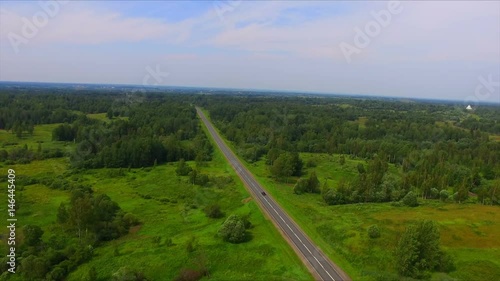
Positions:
(495, 137)
(41, 135)
(265, 257)
(169, 207)
(103, 117)
(469, 232)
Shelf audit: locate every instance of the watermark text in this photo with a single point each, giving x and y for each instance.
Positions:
(11, 221)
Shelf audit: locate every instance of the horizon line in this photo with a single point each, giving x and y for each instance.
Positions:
(352, 95)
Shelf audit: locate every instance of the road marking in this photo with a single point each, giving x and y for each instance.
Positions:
(255, 188)
(299, 239)
(235, 163)
(249, 180)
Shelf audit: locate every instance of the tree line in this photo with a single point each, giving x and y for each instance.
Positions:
(434, 146)
(82, 224)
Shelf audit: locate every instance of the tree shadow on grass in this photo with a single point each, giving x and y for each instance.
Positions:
(248, 237)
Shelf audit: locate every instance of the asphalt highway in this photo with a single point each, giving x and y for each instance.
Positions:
(321, 267)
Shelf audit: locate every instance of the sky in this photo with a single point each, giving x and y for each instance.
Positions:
(421, 49)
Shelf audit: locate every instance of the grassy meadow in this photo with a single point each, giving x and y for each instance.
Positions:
(469, 232)
(41, 135)
(171, 213)
(103, 117)
(170, 209)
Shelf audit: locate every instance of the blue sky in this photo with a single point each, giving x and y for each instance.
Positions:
(421, 49)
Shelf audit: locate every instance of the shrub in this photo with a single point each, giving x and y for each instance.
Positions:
(446, 263)
(156, 240)
(373, 231)
(32, 235)
(246, 221)
(56, 274)
(190, 275)
(342, 160)
(191, 244)
(233, 230)
(310, 185)
(3, 155)
(443, 195)
(213, 211)
(418, 251)
(169, 242)
(183, 169)
(126, 274)
(92, 274)
(329, 196)
(434, 193)
(130, 219)
(311, 163)
(396, 204)
(300, 187)
(410, 199)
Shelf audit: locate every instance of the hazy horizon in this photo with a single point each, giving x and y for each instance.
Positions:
(424, 50)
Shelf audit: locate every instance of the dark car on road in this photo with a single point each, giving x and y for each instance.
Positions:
(263, 193)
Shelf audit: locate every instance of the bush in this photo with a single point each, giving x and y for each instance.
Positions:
(434, 193)
(126, 274)
(221, 181)
(300, 187)
(342, 160)
(183, 169)
(446, 263)
(311, 163)
(331, 197)
(246, 221)
(443, 195)
(130, 219)
(156, 240)
(3, 155)
(169, 242)
(397, 204)
(213, 211)
(164, 200)
(310, 185)
(92, 274)
(32, 235)
(410, 199)
(191, 244)
(56, 274)
(190, 275)
(373, 231)
(419, 252)
(233, 230)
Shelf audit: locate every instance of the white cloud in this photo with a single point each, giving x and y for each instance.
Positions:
(78, 23)
(429, 49)
(424, 31)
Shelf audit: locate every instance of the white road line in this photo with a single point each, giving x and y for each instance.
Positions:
(299, 239)
(307, 248)
(235, 163)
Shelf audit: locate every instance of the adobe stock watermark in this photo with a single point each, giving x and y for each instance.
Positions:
(372, 29)
(31, 27)
(484, 89)
(224, 6)
(156, 75)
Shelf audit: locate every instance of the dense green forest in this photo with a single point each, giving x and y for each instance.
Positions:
(439, 149)
(401, 152)
(142, 131)
(161, 129)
